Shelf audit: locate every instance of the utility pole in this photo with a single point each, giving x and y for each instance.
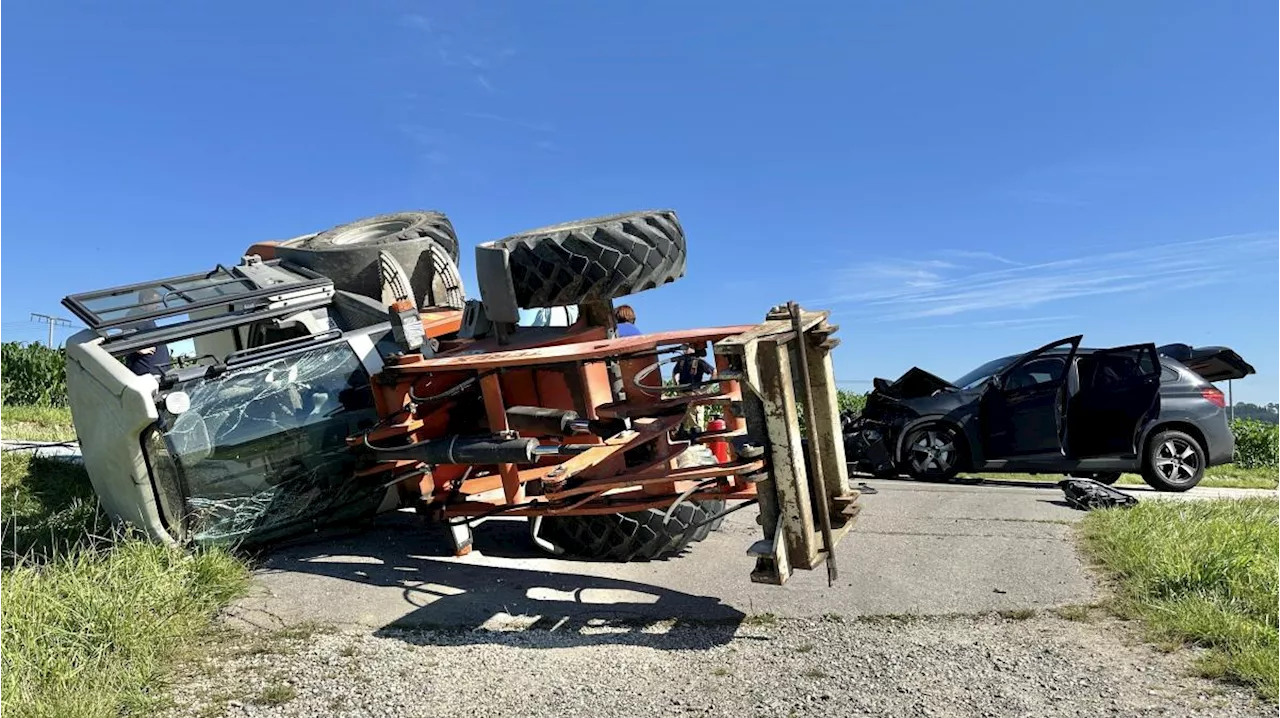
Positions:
(52, 322)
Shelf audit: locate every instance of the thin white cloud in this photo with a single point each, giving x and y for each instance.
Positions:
(428, 142)
(989, 256)
(890, 290)
(1010, 324)
(476, 57)
(417, 22)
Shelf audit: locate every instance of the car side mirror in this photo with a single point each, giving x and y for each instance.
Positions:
(996, 383)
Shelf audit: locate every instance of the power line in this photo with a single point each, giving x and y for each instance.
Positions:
(52, 321)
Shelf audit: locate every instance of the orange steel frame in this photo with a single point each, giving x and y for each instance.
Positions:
(558, 368)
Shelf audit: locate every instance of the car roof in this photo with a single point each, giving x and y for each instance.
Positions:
(1050, 352)
(1184, 373)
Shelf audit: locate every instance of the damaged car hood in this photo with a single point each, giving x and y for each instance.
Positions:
(914, 384)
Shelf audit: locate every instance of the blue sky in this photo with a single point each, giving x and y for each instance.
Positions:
(955, 181)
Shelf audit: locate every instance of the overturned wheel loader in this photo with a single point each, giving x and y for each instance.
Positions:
(339, 374)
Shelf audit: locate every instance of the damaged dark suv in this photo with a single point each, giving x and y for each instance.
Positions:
(1061, 409)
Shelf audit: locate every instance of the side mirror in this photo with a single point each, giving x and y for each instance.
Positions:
(996, 383)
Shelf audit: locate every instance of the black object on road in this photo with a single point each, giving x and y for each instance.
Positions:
(1087, 494)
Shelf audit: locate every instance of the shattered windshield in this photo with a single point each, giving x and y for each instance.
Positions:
(978, 376)
(262, 448)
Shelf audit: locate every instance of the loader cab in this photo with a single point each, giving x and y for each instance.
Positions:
(242, 438)
(209, 316)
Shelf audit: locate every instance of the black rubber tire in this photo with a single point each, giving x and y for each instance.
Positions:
(595, 259)
(954, 463)
(1153, 476)
(423, 242)
(383, 229)
(635, 536)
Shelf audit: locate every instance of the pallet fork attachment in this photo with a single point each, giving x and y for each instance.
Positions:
(806, 505)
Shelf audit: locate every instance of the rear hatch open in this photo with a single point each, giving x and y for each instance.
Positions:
(1212, 363)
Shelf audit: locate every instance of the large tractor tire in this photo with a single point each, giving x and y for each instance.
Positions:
(595, 259)
(423, 242)
(635, 536)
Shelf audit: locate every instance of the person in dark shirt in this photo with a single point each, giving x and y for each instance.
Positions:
(625, 317)
(148, 360)
(691, 368)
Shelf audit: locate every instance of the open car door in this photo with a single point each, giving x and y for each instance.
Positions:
(1117, 390)
(1023, 410)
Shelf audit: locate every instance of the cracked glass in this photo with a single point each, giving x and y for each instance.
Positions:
(262, 451)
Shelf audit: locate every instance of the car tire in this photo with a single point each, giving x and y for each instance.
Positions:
(595, 259)
(633, 536)
(933, 452)
(1173, 461)
(423, 242)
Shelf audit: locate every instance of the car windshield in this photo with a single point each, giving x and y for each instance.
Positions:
(263, 447)
(979, 376)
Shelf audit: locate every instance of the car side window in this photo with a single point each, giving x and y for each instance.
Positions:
(1168, 375)
(1044, 370)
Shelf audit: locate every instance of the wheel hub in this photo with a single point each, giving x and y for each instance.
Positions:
(1175, 460)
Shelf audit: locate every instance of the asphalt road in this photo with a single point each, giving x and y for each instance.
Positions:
(917, 548)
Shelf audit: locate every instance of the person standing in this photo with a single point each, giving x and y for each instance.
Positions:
(625, 317)
(148, 360)
(689, 372)
(691, 369)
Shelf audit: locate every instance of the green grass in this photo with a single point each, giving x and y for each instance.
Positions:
(92, 633)
(1227, 476)
(276, 694)
(36, 423)
(1200, 573)
(92, 619)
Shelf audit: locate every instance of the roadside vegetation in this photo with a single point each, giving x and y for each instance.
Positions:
(37, 423)
(1202, 574)
(92, 618)
(34, 375)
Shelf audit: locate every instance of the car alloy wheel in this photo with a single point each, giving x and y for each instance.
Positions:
(1176, 461)
(932, 452)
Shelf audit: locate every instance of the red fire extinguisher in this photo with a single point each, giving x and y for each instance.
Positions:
(719, 447)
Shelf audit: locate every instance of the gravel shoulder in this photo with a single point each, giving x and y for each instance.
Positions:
(990, 576)
(991, 665)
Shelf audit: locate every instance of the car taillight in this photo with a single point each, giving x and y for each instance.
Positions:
(1215, 396)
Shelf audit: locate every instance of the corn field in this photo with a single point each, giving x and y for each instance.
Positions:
(32, 375)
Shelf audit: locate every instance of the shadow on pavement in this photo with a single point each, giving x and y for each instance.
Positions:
(964, 481)
(1016, 483)
(511, 587)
